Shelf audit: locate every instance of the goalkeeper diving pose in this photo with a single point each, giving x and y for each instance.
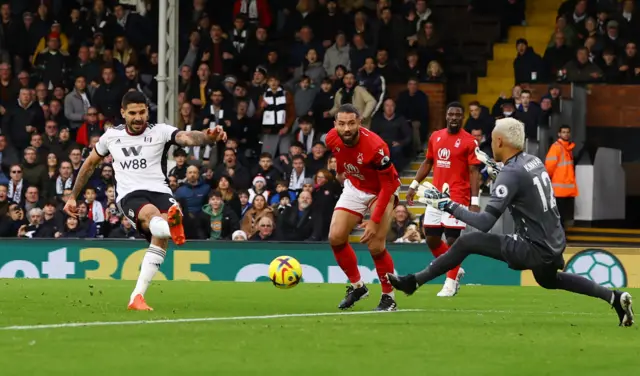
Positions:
(522, 185)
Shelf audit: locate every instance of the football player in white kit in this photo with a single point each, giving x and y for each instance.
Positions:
(139, 151)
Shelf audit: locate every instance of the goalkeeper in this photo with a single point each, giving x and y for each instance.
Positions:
(523, 185)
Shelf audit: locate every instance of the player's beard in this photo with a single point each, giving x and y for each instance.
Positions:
(141, 124)
(453, 128)
(350, 139)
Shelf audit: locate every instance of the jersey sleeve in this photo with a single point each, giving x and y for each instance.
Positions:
(102, 146)
(381, 159)
(167, 132)
(430, 148)
(388, 178)
(471, 146)
(504, 193)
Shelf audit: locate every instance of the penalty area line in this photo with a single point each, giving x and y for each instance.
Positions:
(196, 319)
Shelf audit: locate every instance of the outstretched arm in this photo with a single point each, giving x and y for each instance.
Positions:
(199, 138)
(87, 169)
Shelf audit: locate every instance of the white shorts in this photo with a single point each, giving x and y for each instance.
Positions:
(355, 201)
(436, 218)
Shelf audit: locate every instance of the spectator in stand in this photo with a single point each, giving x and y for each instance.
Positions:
(8, 86)
(85, 224)
(52, 221)
(399, 223)
(413, 105)
(333, 21)
(610, 68)
(282, 190)
(429, 45)
(317, 160)
(497, 108)
(557, 56)
(245, 204)
(277, 110)
(338, 82)
(581, 69)
(241, 174)
(310, 68)
(108, 95)
(34, 173)
(194, 192)
(91, 127)
(95, 211)
(255, 51)
(259, 188)
(359, 51)
(356, 95)
(612, 39)
(124, 231)
(529, 113)
(479, 118)
(337, 54)
(298, 174)
(265, 230)
(51, 64)
(8, 155)
(16, 185)
(395, 131)
(410, 67)
(12, 221)
(32, 198)
(304, 96)
(22, 119)
(217, 221)
(257, 12)
(180, 169)
(229, 195)
(373, 81)
(630, 64)
(559, 164)
(252, 217)
(31, 229)
(72, 229)
(219, 52)
(322, 103)
(77, 103)
(387, 68)
(306, 134)
(296, 223)
(266, 169)
(200, 91)
(629, 23)
(528, 65)
(435, 73)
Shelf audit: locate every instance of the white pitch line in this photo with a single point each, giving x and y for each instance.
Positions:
(292, 315)
(201, 319)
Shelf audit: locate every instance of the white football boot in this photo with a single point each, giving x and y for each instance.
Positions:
(451, 286)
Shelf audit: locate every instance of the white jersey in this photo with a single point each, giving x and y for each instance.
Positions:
(139, 161)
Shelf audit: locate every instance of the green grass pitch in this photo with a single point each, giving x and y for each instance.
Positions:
(483, 331)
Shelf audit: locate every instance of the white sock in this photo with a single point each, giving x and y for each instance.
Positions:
(150, 265)
(159, 228)
(357, 284)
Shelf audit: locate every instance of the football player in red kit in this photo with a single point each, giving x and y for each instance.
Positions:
(451, 154)
(371, 183)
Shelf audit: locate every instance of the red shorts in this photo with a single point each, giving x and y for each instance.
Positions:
(356, 201)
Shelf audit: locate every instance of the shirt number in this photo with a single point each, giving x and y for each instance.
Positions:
(549, 202)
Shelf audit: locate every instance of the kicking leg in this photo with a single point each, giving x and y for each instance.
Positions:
(478, 243)
(342, 223)
(382, 260)
(550, 278)
(150, 221)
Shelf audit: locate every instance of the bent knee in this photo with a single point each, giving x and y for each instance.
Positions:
(337, 237)
(546, 281)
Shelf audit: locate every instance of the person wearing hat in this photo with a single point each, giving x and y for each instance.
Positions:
(259, 188)
(52, 63)
(239, 236)
(612, 39)
(528, 65)
(258, 84)
(55, 32)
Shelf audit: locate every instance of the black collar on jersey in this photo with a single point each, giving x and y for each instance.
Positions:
(126, 128)
(515, 156)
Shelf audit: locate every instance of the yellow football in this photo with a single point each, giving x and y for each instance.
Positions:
(285, 272)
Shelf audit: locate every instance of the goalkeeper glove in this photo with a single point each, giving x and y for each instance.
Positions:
(493, 167)
(431, 196)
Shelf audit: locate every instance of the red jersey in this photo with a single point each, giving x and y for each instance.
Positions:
(367, 165)
(452, 154)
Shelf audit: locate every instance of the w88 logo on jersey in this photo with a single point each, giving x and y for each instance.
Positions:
(134, 164)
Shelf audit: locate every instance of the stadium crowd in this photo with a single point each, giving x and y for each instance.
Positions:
(273, 73)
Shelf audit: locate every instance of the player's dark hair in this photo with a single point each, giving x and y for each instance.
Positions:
(296, 157)
(455, 105)
(133, 97)
(348, 108)
(266, 155)
(564, 126)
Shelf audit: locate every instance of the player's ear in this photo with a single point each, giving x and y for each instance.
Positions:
(122, 112)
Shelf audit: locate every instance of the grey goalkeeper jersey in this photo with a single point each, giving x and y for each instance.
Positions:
(524, 187)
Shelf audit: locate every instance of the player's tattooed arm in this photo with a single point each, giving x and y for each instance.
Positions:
(86, 171)
(198, 138)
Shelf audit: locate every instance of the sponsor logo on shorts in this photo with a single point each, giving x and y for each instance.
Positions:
(600, 266)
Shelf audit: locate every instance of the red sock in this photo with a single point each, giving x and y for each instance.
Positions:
(441, 250)
(347, 260)
(384, 265)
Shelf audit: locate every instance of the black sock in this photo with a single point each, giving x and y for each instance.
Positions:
(580, 285)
